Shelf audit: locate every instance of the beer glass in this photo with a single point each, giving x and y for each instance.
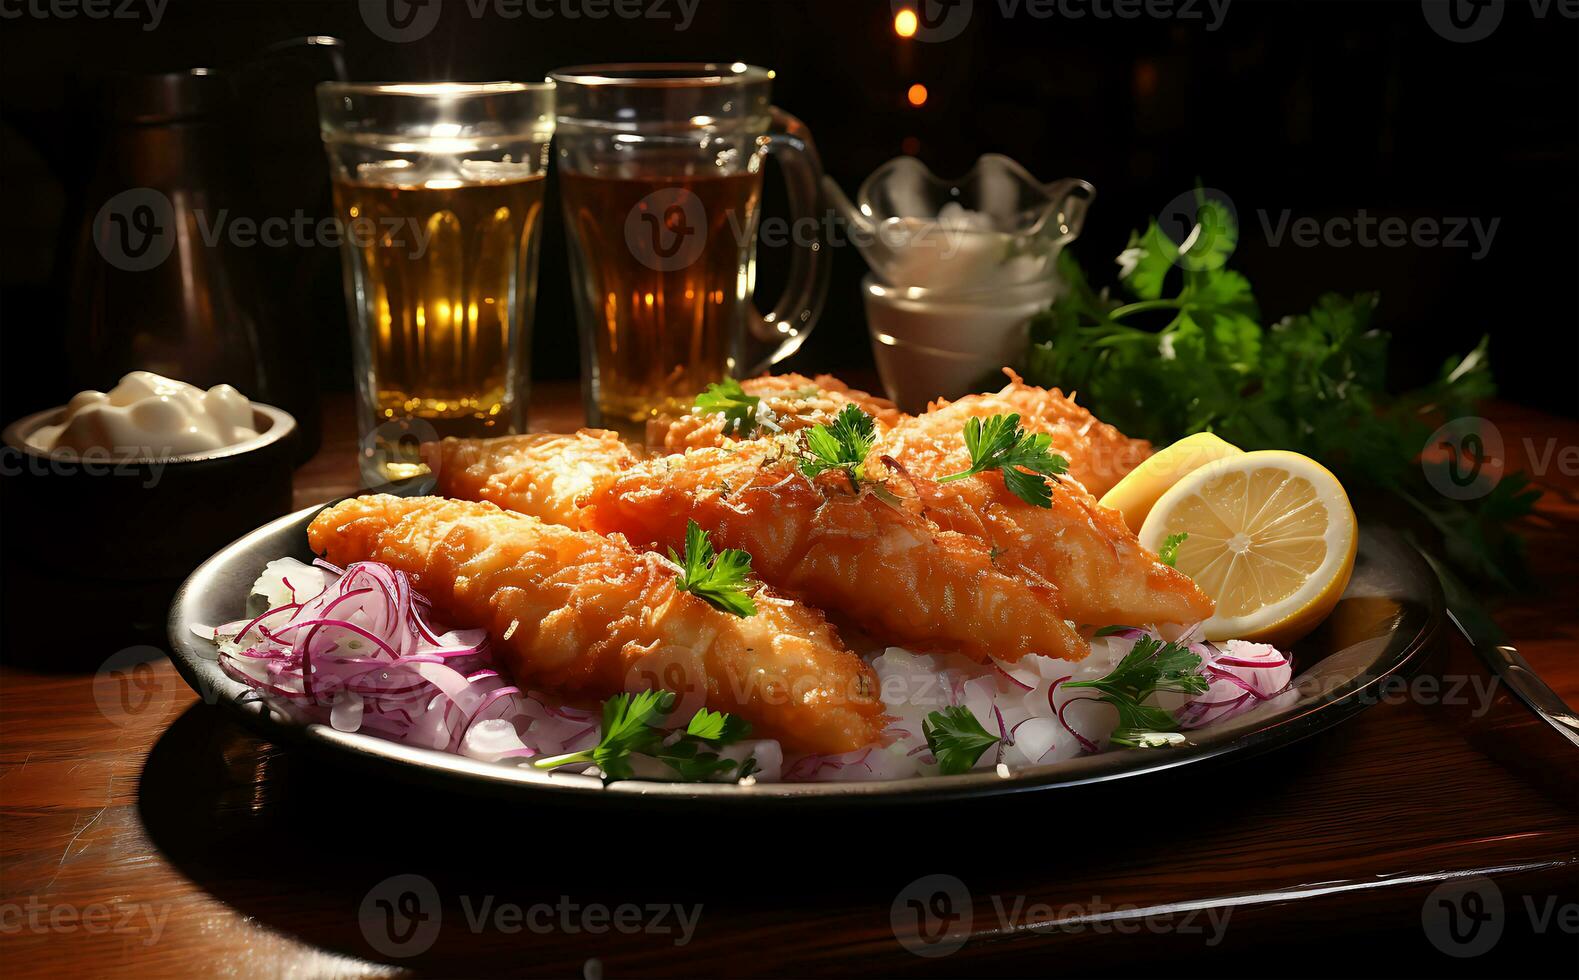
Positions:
(660, 168)
(439, 191)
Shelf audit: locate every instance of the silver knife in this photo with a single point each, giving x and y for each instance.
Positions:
(1490, 644)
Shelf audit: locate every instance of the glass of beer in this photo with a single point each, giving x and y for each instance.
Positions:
(660, 168)
(439, 192)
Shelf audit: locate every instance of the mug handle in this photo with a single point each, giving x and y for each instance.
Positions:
(792, 320)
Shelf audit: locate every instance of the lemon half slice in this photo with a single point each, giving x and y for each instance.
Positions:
(1272, 539)
(1136, 494)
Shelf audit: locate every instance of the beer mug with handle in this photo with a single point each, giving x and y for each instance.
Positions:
(660, 169)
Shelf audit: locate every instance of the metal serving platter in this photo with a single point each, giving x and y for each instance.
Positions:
(1390, 613)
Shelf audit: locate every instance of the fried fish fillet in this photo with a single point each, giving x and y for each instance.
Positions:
(580, 613)
(793, 402)
(542, 474)
(1103, 574)
(883, 566)
(1099, 455)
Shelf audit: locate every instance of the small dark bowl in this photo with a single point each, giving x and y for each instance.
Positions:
(140, 520)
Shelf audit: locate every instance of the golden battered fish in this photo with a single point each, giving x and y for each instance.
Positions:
(1102, 572)
(542, 474)
(883, 566)
(1099, 455)
(580, 613)
(794, 402)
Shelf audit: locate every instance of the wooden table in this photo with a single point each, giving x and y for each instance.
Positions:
(145, 833)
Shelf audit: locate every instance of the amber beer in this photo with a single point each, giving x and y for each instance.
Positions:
(663, 265)
(445, 271)
(660, 172)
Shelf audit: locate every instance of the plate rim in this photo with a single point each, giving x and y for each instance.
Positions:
(462, 773)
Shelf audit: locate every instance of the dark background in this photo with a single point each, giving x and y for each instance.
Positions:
(1320, 109)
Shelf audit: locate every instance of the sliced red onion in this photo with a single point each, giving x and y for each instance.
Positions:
(1009, 676)
(363, 656)
(1242, 675)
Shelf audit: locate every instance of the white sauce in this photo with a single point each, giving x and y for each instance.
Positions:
(149, 416)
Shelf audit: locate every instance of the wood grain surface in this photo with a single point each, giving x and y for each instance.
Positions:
(145, 833)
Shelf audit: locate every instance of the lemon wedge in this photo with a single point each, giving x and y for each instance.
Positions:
(1272, 539)
(1137, 493)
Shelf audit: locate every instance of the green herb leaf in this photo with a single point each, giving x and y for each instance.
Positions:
(956, 739)
(730, 400)
(692, 762)
(720, 578)
(628, 729)
(1168, 554)
(694, 756)
(1185, 349)
(998, 443)
(1111, 630)
(842, 444)
(1150, 667)
(718, 726)
(1146, 261)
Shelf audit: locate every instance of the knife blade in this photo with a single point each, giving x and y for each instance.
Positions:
(1490, 644)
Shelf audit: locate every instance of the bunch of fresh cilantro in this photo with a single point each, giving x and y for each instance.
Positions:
(1185, 349)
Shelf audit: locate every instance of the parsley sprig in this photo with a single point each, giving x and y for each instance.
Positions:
(842, 444)
(1168, 554)
(629, 730)
(957, 739)
(998, 443)
(694, 756)
(730, 400)
(1149, 668)
(719, 578)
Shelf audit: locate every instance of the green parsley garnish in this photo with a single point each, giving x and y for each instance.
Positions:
(1150, 667)
(1169, 552)
(998, 443)
(956, 739)
(730, 400)
(628, 730)
(1182, 346)
(694, 756)
(1111, 630)
(716, 726)
(841, 445)
(720, 578)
